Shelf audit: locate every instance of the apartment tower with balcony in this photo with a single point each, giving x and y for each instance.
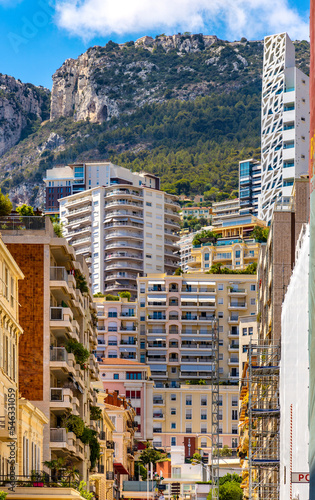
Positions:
(126, 228)
(249, 186)
(175, 338)
(284, 123)
(56, 314)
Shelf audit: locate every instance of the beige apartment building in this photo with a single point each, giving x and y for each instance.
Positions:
(175, 314)
(185, 412)
(175, 333)
(224, 210)
(57, 316)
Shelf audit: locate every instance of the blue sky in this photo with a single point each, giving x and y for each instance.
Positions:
(37, 36)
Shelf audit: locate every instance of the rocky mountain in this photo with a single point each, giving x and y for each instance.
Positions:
(105, 81)
(22, 107)
(186, 107)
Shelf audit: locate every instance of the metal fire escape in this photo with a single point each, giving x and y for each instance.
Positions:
(264, 422)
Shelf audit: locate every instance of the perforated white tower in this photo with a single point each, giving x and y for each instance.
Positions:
(284, 123)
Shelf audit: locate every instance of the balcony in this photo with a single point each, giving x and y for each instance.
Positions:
(123, 255)
(161, 317)
(158, 401)
(233, 361)
(121, 234)
(125, 265)
(61, 318)
(110, 445)
(61, 440)
(74, 213)
(233, 346)
(235, 292)
(233, 319)
(233, 305)
(110, 476)
(158, 415)
(62, 399)
(61, 360)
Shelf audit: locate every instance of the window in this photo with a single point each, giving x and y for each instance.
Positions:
(203, 428)
(220, 286)
(234, 400)
(203, 443)
(238, 254)
(250, 330)
(220, 314)
(203, 400)
(221, 356)
(173, 425)
(116, 376)
(206, 256)
(134, 376)
(138, 411)
(188, 428)
(148, 204)
(244, 330)
(253, 288)
(188, 400)
(173, 441)
(203, 414)
(173, 411)
(220, 300)
(234, 415)
(234, 429)
(188, 414)
(148, 224)
(142, 358)
(173, 397)
(252, 302)
(220, 400)
(234, 443)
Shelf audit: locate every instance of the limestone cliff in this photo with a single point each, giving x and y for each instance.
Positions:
(105, 81)
(21, 106)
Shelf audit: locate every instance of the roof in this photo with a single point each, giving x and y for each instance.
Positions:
(116, 362)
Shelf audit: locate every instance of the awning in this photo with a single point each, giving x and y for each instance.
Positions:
(207, 283)
(189, 299)
(159, 368)
(137, 221)
(196, 368)
(207, 299)
(156, 353)
(191, 283)
(128, 349)
(120, 468)
(156, 283)
(191, 352)
(157, 298)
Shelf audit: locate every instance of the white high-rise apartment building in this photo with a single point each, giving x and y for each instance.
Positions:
(284, 123)
(124, 229)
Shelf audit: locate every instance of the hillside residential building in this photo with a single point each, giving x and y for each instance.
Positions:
(235, 248)
(123, 230)
(175, 314)
(224, 210)
(197, 212)
(248, 336)
(55, 313)
(117, 329)
(75, 178)
(249, 186)
(131, 380)
(284, 123)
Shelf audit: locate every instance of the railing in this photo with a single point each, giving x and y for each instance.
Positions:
(123, 192)
(58, 435)
(123, 264)
(56, 394)
(237, 290)
(158, 401)
(124, 255)
(39, 479)
(102, 435)
(78, 210)
(58, 274)
(132, 203)
(110, 445)
(56, 313)
(110, 476)
(58, 354)
(20, 223)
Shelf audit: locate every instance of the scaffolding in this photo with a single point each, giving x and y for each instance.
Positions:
(215, 459)
(264, 422)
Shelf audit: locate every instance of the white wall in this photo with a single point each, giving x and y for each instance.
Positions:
(294, 378)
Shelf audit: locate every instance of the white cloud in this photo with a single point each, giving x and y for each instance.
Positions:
(236, 18)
